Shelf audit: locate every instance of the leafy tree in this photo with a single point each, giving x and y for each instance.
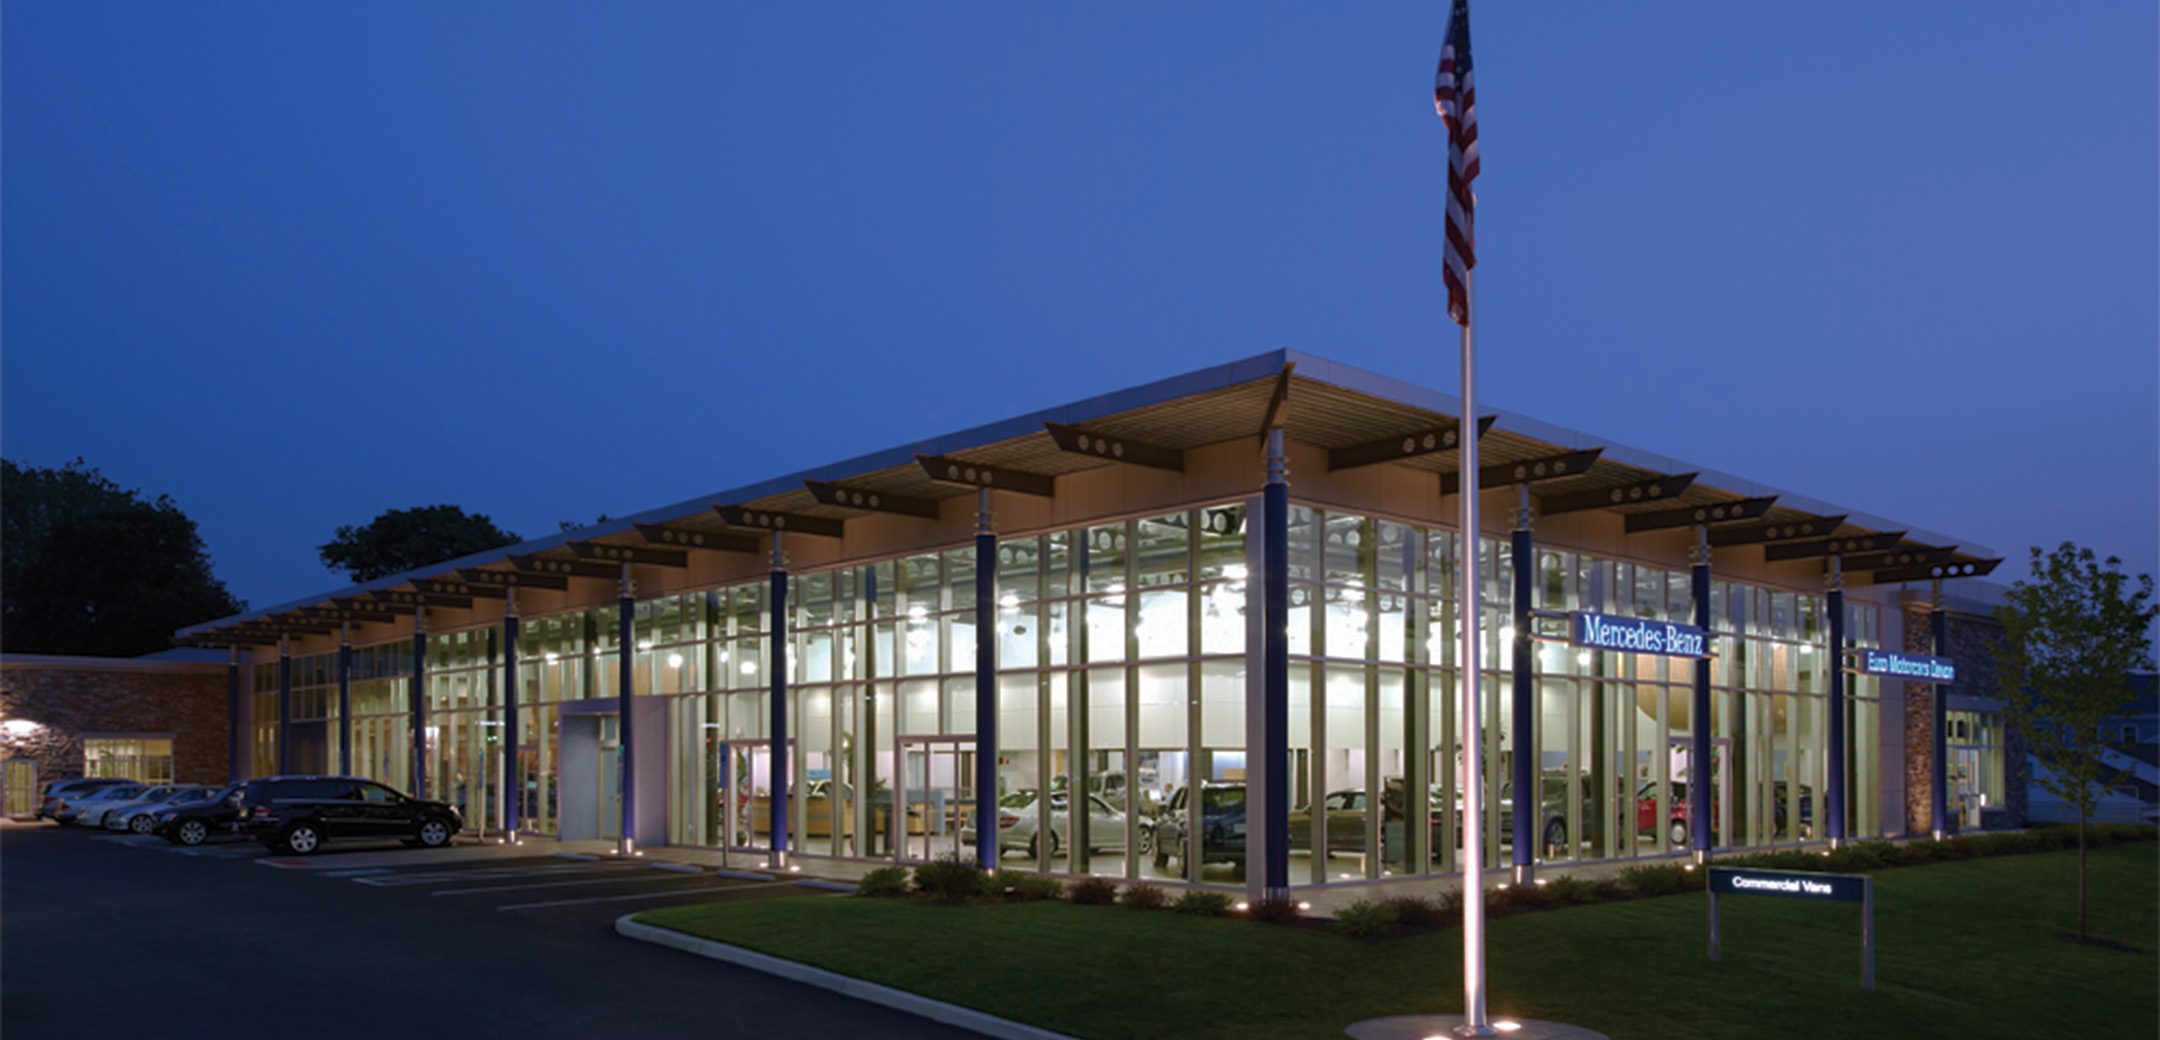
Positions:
(2072, 635)
(402, 539)
(89, 567)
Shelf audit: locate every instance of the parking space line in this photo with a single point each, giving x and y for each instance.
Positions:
(559, 884)
(642, 895)
(433, 876)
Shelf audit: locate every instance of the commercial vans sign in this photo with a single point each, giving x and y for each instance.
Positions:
(1636, 636)
(1907, 666)
(1836, 888)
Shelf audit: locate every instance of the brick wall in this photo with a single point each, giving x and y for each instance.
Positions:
(1970, 637)
(68, 697)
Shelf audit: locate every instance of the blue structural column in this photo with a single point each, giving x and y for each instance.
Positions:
(1938, 696)
(986, 687)
(776, 763)
(1834, 772)
(416, 693)
(232, 715)
(344, 698)
(1522, 722)
(284, 704)
(1275, 676)
(513, 782)
(625, 684)
(1703, 774)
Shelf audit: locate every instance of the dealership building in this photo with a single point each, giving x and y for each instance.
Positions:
(1199, 630)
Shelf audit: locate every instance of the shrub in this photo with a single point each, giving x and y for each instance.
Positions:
(1654, 879)
(1274, 911)
(1035, 887)
(1142, 896)
(2122, 832)
(1005, 882)
(2058, 837)
(951, 880)
(1365, 919)
(1609, 889)
(884, 882)
(1092, 891)
(1202, 904)
(1417, 912)
(1872, 855)
(1516, 899)
(1570, 891)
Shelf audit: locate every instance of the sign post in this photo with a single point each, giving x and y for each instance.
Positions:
(1799, 884)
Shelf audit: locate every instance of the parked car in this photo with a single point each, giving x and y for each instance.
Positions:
(216, 815)
(1222, 826)
(1347, 811)
(299, 813)
(1020, 824)
(1676, 812)
(1552, 829)
(57, 792)
(89, 808)
(153, 793)
(141, 816)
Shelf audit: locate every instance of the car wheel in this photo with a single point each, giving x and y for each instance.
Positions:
(1678, 833)
(141, 824)
(434, 833)
(301, 838)
(1556, 841)
(1146, 840)
(192, 832)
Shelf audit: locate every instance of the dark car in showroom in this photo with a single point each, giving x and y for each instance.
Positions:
(213, 817)
(299, 813)
(1222, 826)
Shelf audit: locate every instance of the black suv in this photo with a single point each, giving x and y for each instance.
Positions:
(213, 817)
(299, 813)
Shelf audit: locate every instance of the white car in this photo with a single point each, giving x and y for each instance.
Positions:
(140, 815)
(89, 810)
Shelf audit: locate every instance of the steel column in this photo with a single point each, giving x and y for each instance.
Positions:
(625, 684)
(344, 699)
(1703, 774)
(1834, 772)
(776, 765)
(284, 704)
(513, 784)
(1275, 675)
(1938, 716)
(986, 686)
(1522, 723)
(416, 692)
(232, 715)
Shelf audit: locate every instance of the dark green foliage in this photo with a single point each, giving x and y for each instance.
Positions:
(1871, 855)
(1570, 891)
(1654, 879)
(402, 539)
(951, 880)
(1365, 919)
(1092, 891)
(1274, 911)
(1035, 888)
(1005, 882)
(88, 567)
(1419, 912)
(1516, 899)
(884, 882)
(1202, 903)
(1142, 896)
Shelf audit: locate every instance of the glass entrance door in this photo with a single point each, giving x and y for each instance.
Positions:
(936, 795)
(747, 796)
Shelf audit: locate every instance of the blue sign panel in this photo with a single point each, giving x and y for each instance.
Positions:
(1789, 884)
(1636, 636)
(1907, 666)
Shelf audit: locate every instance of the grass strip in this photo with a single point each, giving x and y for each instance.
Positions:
(1966, 949)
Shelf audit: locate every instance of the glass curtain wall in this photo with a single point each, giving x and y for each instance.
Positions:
(464, 725)
(381, 712)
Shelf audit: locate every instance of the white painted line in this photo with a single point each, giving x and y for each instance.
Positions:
(435, 876)
(617, 899)
(554, 884)
(679, 868)
(744, 875)
(359, 872)
(870, 992)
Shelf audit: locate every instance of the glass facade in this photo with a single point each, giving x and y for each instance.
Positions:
(145, 759)
(1973, 741)
(1123, 658)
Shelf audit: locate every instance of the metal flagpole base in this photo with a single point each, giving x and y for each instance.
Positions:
(1434, 1027)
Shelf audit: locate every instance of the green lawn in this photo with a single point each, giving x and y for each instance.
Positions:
(1964, 949)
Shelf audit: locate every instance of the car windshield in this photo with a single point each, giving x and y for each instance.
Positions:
(1223, 797)
(1017, 800)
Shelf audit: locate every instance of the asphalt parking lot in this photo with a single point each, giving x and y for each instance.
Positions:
(113, 933)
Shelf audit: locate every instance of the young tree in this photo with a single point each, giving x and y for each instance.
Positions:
(402, 539)
(89, 567)
(2072, 634)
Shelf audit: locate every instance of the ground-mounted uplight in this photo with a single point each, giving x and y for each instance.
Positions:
(1304, 906)
(1244, 906)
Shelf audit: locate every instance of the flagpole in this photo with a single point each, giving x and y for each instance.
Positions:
(1472, 735)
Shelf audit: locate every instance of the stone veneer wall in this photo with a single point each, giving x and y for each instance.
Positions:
(69, 697)
(1970, 638)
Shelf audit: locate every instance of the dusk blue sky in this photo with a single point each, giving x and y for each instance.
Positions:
(296, 264)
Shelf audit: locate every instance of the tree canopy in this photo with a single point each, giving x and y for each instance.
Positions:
(89, 567)
(402, 539)
(2072, 634)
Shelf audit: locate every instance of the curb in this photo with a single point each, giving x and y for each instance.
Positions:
(869, 992)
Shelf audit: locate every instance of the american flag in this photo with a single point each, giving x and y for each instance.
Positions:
(1454, 96)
